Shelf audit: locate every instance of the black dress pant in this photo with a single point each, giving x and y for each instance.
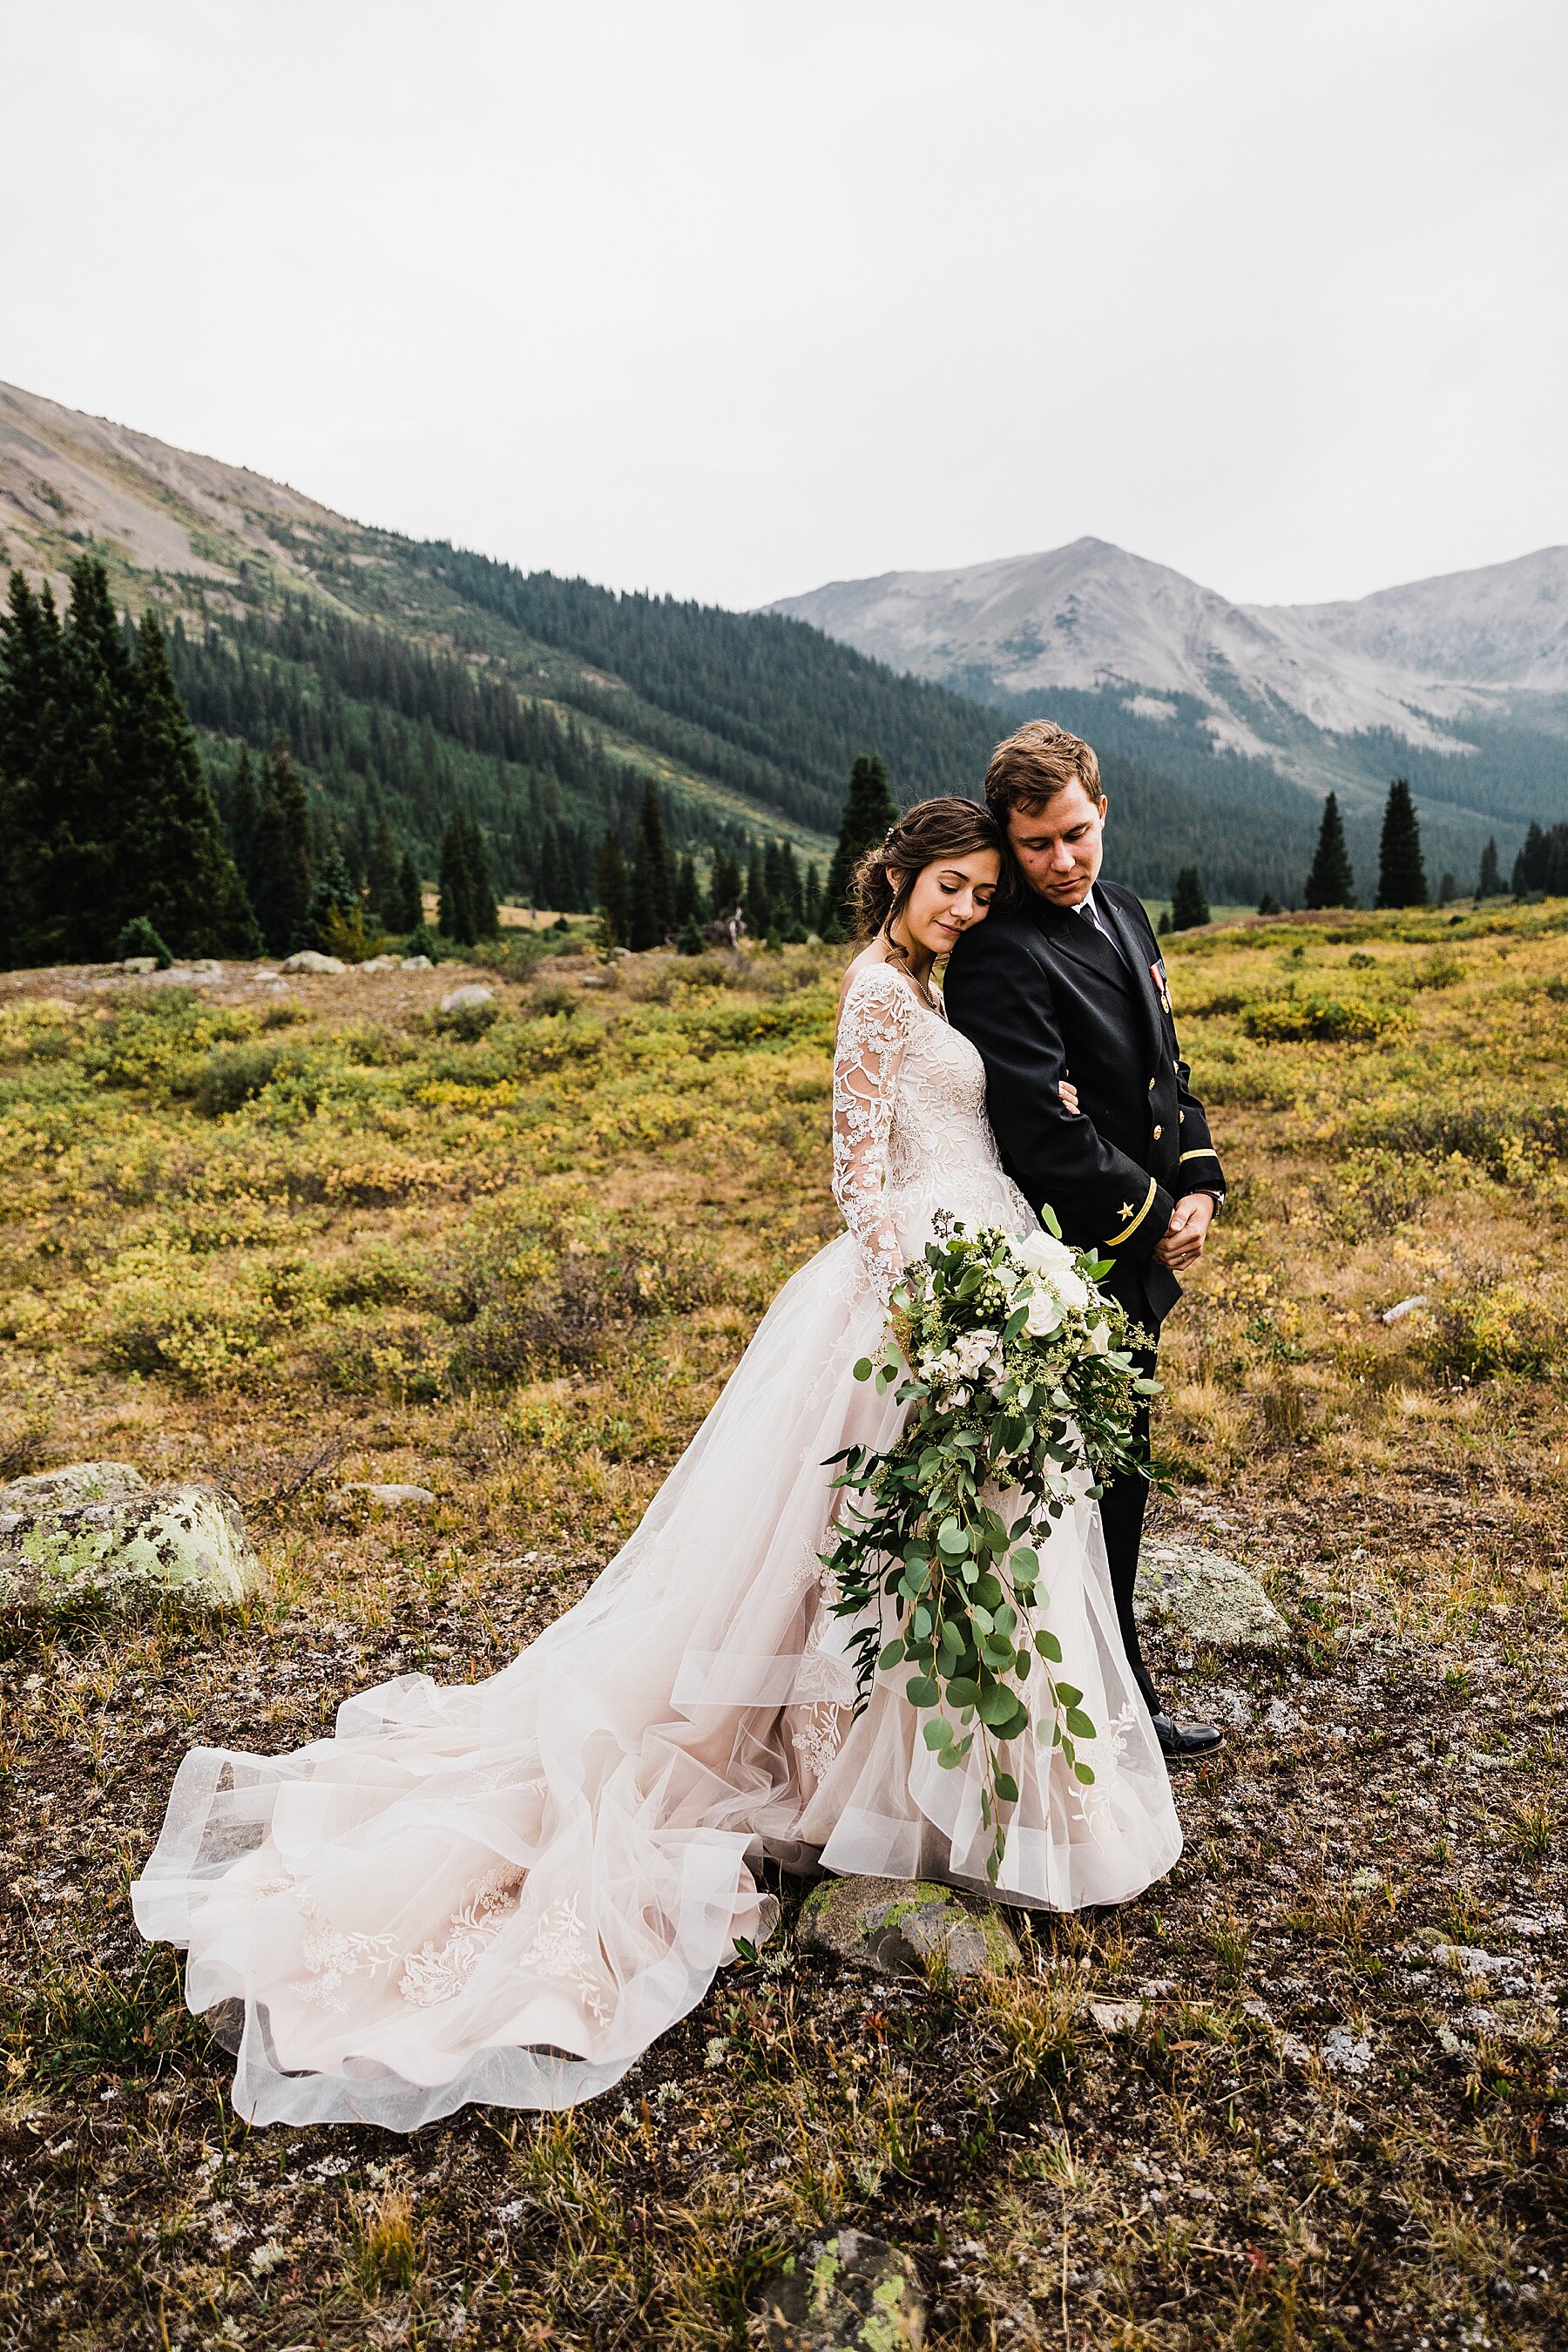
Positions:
(1121, 1509)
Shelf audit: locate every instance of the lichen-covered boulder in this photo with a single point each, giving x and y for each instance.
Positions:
(77, 1482)
(473, 993)
(1201, 1594)
(848, 2292)
(132, 1546)
(905, 1923)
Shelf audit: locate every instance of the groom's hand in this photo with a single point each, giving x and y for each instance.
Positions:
(1181, 1243)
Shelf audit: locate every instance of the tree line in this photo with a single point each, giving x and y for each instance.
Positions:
(1542, 864)
(106, 819)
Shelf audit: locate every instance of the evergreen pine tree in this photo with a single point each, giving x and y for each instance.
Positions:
(1330, 882)
(31, 692)
(1447, 890)
(458, 916)
(139, 939)
(690, 941)
(1489, 882)
(482, 889)
(811, 900)
(614, 896)
(240, 803)
(1164, 924)
(1189, 906)
(688, 894)
(758, 903)
(83, 815)
(172, 864)
(652, 894)
(381, 873)
(869, 812)
(728, 882)
(407, 913)
(1530, 865)
(1269, 904)
(1400, 875)
(281, 877)
(334, 896)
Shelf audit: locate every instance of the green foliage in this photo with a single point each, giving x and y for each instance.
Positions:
(1400, 875)
(105, 812)
(1330, 882)
(1542, 863)
(1279, 1019)
(1189, 906)
(138, 937)
(869, 814)
(1017, 1372)
(467, 898)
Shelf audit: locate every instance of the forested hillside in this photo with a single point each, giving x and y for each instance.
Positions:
(414, 684)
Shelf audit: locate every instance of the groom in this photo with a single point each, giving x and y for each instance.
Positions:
(1068, 983)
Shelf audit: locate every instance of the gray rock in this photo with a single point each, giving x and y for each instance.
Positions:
(1116, 2016)
(77, 1482)
(137, 1545)
(379, 963)
(1345, 2052)
(1193, 1590)
(416, 963)
(139, 963)
(847, 2293)
(311, 959)
(473, 993)
(905, 1923)
(392, 1495)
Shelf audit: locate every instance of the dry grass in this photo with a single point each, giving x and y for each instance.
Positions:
(305, 1236)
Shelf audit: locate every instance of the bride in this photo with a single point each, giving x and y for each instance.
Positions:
(505, 1891)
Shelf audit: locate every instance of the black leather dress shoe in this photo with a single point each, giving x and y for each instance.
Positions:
(1187, 1738)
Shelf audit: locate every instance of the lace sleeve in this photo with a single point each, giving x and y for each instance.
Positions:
(873, 1030)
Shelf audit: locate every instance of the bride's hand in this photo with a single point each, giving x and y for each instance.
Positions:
(1068, 1094)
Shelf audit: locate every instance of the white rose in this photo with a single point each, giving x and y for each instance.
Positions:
(1099, 1339)
(1042, 1253)
(1070, 1288)
(1045, 1314)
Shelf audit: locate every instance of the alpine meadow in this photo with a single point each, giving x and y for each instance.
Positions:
(418, 985)
(315, 1238)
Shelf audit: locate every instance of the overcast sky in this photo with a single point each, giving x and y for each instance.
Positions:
(733, 297)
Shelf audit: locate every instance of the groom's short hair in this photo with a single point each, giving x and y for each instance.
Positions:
(1032, 766)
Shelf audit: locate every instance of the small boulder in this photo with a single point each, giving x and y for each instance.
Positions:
(311, 959)
(379, 963)
(850, 2293)
(77, 1482)
(136, 1545)
(1116, 2016)
(139, 964)
(1200, 1594)
(473, 993)
(394, 1498)
(416, 963)
(905, 1923)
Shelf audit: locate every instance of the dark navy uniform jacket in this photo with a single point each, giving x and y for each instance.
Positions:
(1046, 996)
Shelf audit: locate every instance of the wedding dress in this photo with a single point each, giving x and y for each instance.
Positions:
(504, 1892)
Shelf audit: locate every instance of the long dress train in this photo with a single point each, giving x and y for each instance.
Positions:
(504, 1892)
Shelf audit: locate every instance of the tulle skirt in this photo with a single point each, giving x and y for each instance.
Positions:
(505, 1891)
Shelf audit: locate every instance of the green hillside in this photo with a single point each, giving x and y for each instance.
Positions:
(414, 680)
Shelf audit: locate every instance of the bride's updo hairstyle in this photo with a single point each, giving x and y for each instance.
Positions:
(930, 833)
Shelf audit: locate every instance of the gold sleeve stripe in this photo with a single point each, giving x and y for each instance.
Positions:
(1132, 1224)
(1204, 1153)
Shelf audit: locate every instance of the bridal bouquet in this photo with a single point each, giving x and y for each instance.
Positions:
(1018, 1374)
